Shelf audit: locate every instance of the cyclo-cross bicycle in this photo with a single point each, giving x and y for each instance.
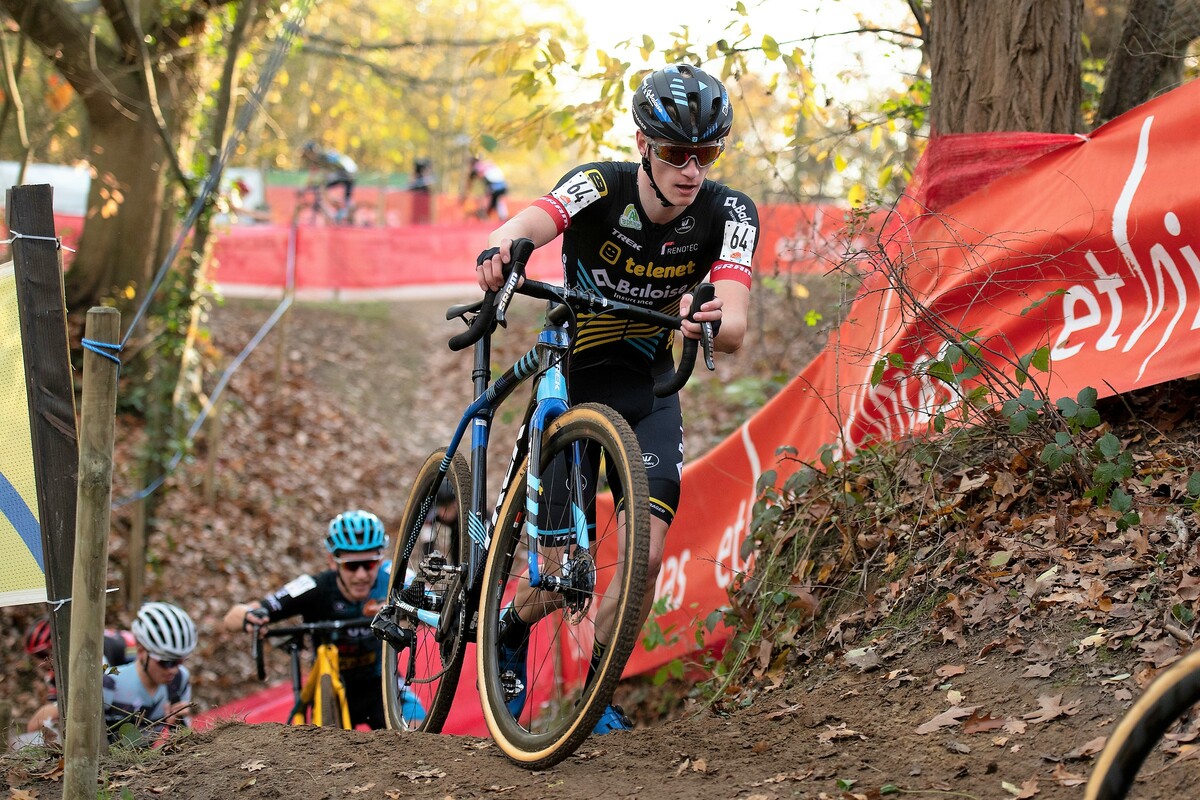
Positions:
(545, 533)
(320, 699)
(1166, 699)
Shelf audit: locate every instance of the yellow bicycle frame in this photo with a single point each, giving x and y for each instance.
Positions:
(325, 663)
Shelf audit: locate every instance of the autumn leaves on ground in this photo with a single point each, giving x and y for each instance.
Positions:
(979, 624)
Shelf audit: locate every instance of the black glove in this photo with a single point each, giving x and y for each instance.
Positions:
(255, 618)
(486, 255)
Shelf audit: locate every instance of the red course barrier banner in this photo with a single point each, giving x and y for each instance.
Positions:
(1084, 245)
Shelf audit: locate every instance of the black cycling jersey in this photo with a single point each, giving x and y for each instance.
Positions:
(611, 247)
(317, 598)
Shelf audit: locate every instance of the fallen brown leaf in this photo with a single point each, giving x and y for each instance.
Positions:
(949, 717)
(1052, 708)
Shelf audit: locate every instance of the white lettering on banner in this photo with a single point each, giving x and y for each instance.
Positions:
(901, 403)
(1108, 284)
(672, 580)
(729, 563)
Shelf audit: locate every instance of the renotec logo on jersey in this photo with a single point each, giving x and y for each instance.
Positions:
(630, 218)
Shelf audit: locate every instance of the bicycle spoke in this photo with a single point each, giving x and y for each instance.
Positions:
(538, 705)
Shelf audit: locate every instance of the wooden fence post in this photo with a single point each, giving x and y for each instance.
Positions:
(85, 731)
(215, 426)
(135, 556)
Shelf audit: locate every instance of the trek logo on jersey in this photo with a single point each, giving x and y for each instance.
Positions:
(739, 209)
(685, 225)
(738, 244)
(630, 218)
(580, 191)
(625, 240)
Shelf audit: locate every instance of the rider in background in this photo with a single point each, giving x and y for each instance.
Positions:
(119, 648)
(353, 586)
(494, 185)
(421, 186)
(154, 693)
(644, 233)
(332, 169)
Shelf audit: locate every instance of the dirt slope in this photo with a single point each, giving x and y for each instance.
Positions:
(366, 392)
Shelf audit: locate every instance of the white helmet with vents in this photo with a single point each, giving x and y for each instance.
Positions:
(165, 630)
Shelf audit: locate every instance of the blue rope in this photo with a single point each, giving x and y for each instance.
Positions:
(105, 349)
(212, 400)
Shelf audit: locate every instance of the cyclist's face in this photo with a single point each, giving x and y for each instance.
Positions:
(680, 185)
(358, 572)
(161, 670)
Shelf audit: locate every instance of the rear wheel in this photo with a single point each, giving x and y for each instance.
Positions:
(559, 710)
(1171, 695)
(328, 705)
(420, 677)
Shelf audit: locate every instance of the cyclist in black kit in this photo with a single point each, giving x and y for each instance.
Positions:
(643, 233)
(352, 587)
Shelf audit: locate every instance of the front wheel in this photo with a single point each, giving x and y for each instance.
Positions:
(430, 554)
(1166, 699)
(536, 702)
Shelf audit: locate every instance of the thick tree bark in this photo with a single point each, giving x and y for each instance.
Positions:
(1139, 58)
(1149, 56)
(1006, 65)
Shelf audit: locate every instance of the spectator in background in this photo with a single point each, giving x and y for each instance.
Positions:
(332, 169)
(421, 186)
(494, 186)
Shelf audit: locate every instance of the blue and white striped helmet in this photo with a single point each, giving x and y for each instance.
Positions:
(355, 532)
(682, 103)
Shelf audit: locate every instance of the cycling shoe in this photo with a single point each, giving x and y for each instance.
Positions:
(613, 719)
(512, 675)
(411, 709)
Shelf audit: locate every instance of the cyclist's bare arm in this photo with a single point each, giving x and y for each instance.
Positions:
(731, 306)
(532, 223)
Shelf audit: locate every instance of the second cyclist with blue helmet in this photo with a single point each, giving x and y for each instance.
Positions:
(353, 585)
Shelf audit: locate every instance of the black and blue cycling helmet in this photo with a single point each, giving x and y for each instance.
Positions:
(682, 103)
(355, 532)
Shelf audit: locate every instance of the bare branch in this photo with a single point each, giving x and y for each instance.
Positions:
(403, 44)
(125, 26)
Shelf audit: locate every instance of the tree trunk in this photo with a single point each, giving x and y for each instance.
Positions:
(121, 237)
(1149, 56)
(1139, 58)
(1006, 65)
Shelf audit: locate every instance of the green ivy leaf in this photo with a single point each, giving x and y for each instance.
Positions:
(1108, 446)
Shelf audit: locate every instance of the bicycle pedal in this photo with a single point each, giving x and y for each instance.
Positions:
(511, 685)
(385, 627)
